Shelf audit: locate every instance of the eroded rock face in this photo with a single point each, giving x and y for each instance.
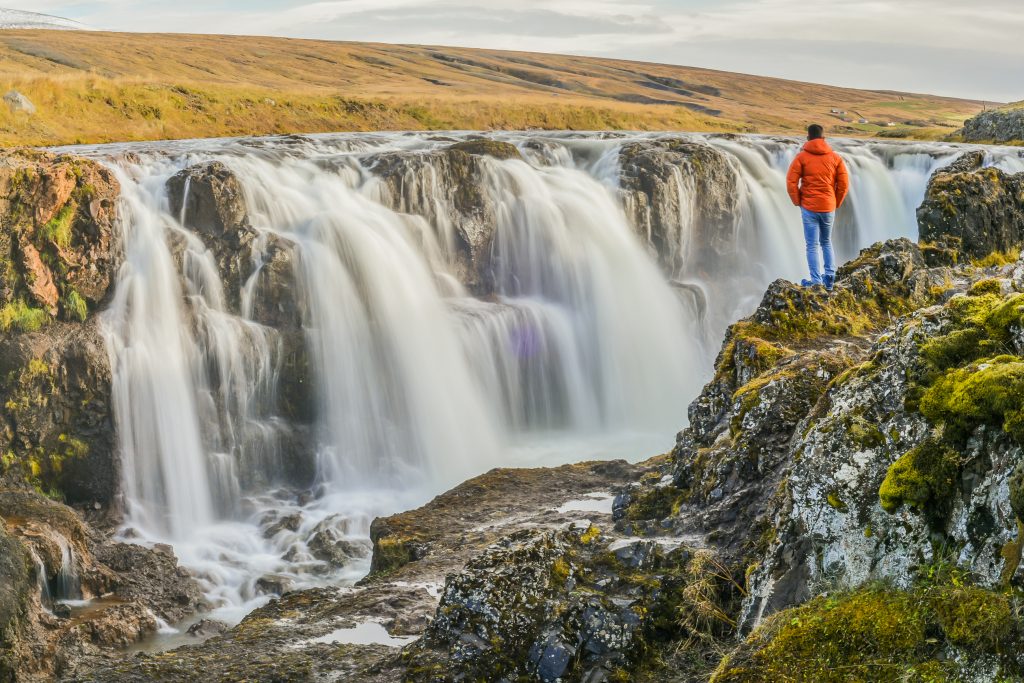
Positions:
(57, 250)
(682, 198)
(446, 188)
(999, 126)
(56, 419)
(983, 208)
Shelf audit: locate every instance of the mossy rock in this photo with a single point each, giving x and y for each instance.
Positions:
(925, 478)
(878, 633)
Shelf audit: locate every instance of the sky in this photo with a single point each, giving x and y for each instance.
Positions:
(969, 49)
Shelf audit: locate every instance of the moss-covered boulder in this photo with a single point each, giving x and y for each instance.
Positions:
(980, 207)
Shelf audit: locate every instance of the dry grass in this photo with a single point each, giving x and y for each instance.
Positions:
(97, 87)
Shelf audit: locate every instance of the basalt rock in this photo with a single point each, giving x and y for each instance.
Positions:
(982, 208)
(683, 200)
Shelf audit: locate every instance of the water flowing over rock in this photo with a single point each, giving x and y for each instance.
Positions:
(683, 198)
(982, 207)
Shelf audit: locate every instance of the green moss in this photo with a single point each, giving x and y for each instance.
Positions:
(390, 553)
(924, 478)
(75, 307)
(21, 317)
(862, 433)
(657, 503)
(878, 634)
(58, 228)
(835, 502)
(972, 618)
(989, 286)
(996, 259)
(987, 392)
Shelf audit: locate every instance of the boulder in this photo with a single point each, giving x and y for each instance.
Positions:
(980, 210)
(15, 601)
(18, 102)
(998, 126)
(152, 577)
(57, 250)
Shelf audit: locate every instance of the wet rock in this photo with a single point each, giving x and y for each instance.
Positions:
(448, 188)
(120, 625)
(58, 411)
(152, 577)
(208, 198)
(669, 182)
(15, 599)
(978, 209)
(491, 148)
(273, 584)
(207, 628)
(328, 545)
(290, 522)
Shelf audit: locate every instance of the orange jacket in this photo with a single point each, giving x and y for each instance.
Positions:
(817, 179)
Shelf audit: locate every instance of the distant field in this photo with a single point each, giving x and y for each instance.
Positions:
(100, 87)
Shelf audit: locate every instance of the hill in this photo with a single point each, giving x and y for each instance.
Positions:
(94, 87)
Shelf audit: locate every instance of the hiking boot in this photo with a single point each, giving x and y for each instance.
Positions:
(830, 281)
(807, 283)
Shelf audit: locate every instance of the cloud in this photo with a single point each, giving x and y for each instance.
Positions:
(944, 46)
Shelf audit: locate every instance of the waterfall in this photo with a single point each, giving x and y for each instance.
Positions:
(569, 342)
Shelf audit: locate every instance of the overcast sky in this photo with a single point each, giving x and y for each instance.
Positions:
(950, 47)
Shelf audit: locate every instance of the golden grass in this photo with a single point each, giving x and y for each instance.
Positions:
(100, 87)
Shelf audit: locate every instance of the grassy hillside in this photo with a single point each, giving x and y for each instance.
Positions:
(96, 87)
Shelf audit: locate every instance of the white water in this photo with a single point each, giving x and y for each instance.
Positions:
(583, 350)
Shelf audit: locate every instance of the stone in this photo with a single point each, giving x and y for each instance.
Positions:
(998, 126)
(18, 102)
(207, 628)
(978, 209)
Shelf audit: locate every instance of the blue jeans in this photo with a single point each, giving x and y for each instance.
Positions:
(818, 233)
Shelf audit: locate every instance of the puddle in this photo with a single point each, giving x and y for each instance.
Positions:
(367, 633)
(600, 502)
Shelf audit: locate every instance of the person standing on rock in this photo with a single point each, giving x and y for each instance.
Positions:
(818, 182)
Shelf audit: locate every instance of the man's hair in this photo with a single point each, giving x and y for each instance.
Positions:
(814, 131)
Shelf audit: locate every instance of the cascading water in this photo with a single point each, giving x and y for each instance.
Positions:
(580, 347)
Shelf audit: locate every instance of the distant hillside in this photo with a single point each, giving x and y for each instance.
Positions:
(16, 18)
(93, 86)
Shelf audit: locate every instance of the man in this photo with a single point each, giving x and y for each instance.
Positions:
(818, 182)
